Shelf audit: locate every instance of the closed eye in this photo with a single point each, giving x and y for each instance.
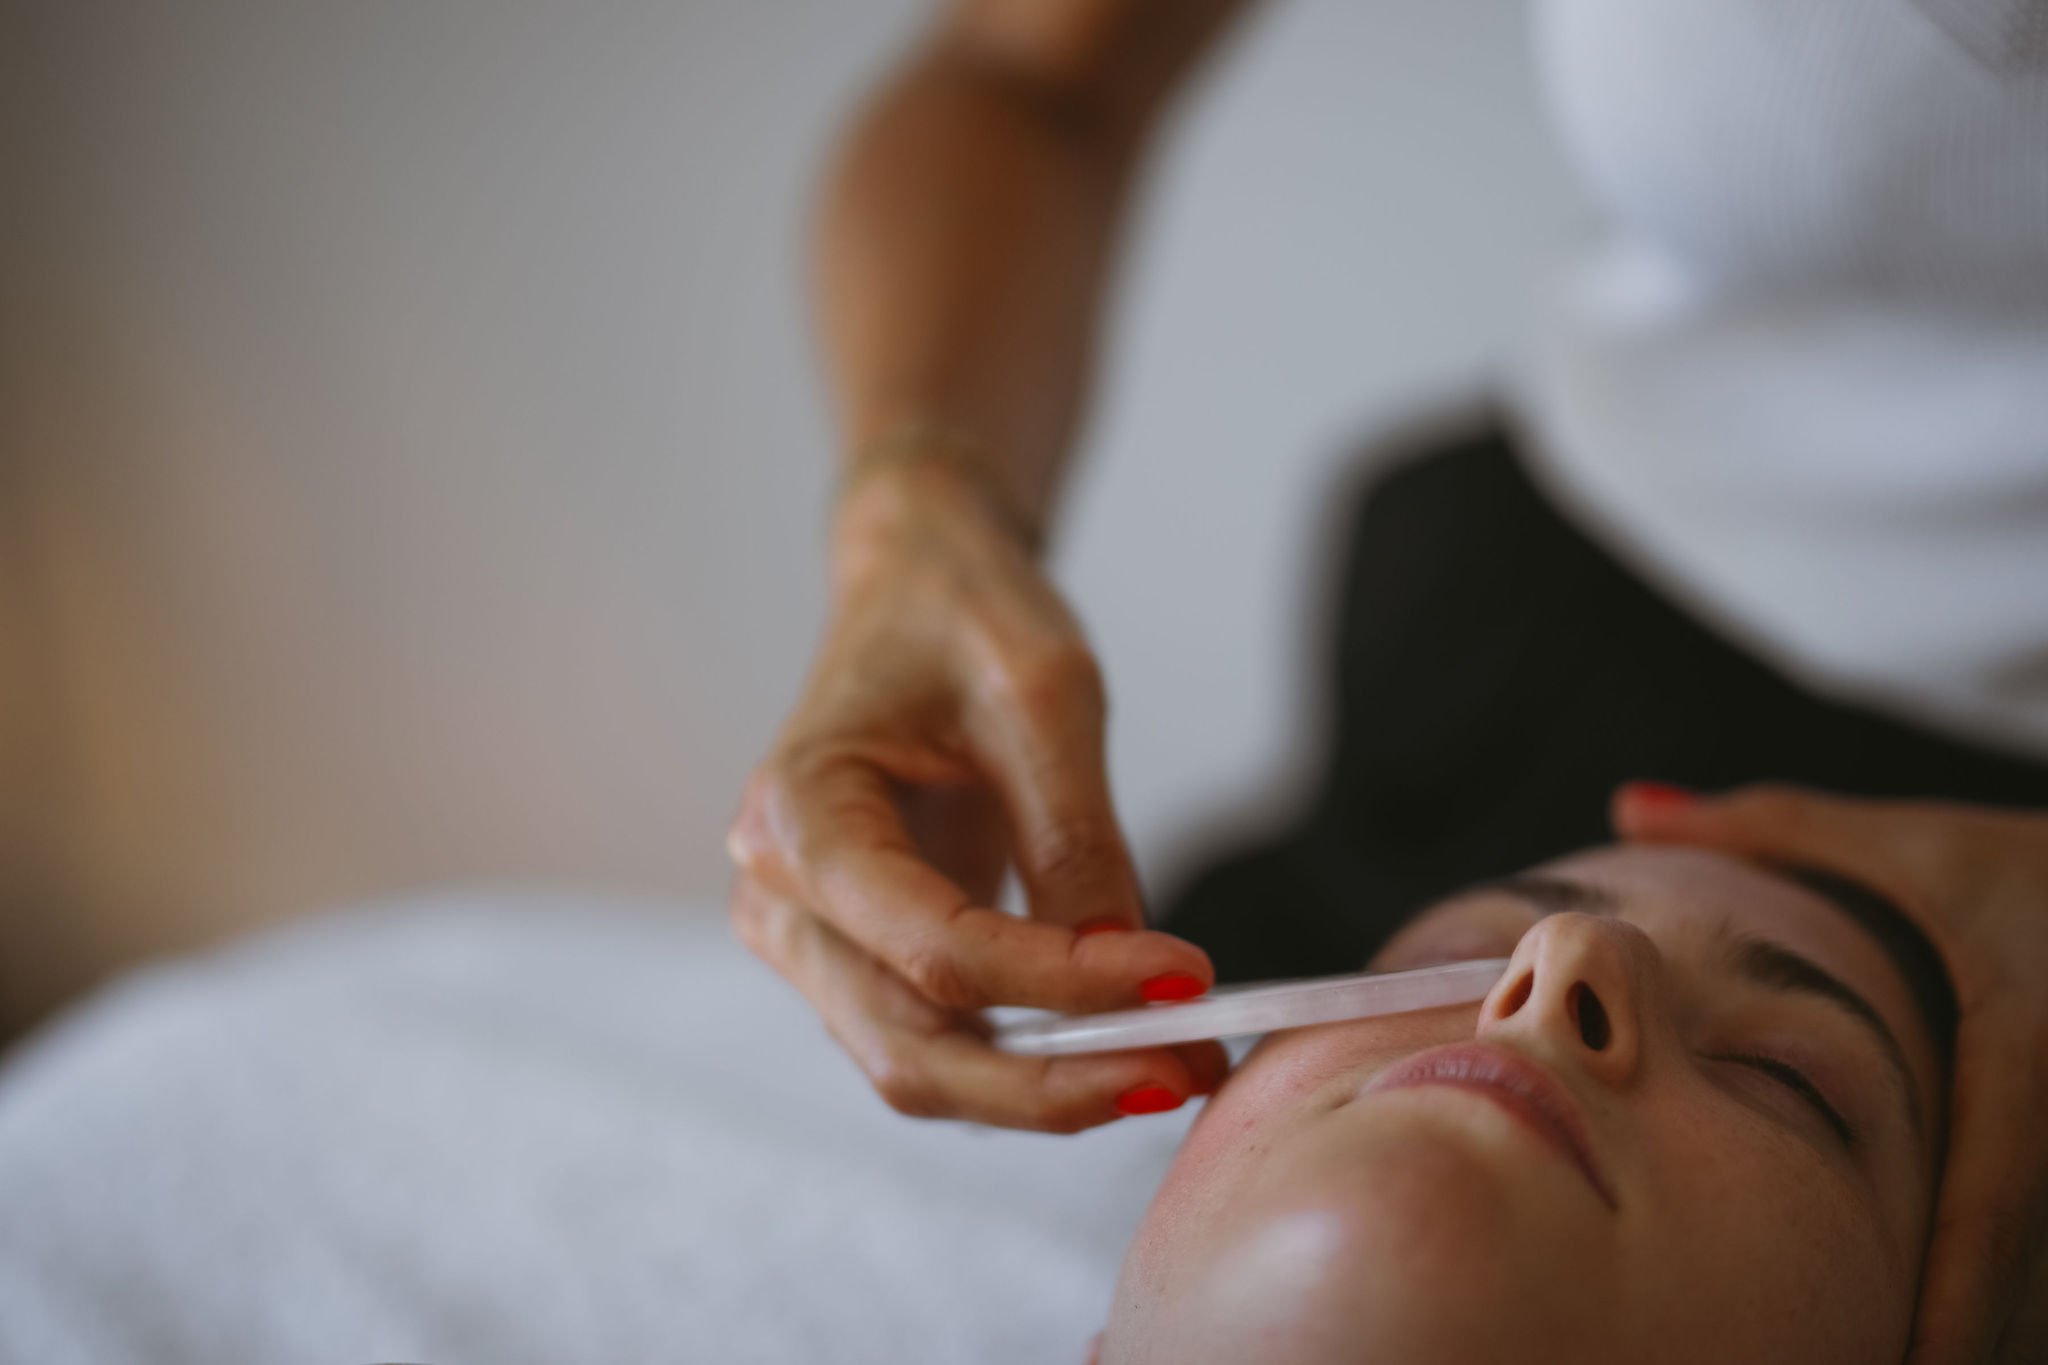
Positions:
(1795, 1080)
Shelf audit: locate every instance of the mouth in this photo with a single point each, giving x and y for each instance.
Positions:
(1527, 1091)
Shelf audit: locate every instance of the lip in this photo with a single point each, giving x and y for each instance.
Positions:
(1524, 1089)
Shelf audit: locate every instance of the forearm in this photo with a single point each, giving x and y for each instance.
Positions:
(966, 235)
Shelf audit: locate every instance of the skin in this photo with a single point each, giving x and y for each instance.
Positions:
(1976, 881)
(1309, 1217)
(953, 723)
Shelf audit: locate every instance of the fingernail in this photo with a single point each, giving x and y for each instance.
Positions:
(1172, 986)
(1148, 1099)
(1102, 926)
(1658, 795)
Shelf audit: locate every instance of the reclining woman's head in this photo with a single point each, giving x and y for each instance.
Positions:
(1699, 1119)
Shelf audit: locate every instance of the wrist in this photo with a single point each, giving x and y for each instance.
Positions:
(919, 468)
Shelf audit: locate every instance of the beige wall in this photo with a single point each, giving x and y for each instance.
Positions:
(413, 465)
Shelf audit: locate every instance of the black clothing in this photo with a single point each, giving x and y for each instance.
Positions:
(1498, 676)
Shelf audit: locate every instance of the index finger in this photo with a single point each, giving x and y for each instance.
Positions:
(931, 1063)
(837, 836)
(1885, 845)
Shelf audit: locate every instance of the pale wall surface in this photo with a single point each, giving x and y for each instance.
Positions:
(414, 464)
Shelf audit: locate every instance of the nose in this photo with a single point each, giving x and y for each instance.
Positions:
(1576, 988)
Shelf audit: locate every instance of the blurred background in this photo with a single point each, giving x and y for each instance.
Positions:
(413, 465)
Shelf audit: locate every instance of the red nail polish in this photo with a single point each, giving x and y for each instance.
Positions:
(1102, 926)
(1659, 795)
(1172, 986)
(1148, 1099)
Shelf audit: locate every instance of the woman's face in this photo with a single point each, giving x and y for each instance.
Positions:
(1674, 1131)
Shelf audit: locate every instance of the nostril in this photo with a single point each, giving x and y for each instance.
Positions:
(1517, 996)
(1591, 1017)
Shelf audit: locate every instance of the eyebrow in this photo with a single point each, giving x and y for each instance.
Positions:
(1755, 960)
(1776, 967)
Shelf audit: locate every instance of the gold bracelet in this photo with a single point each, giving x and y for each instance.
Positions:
(922, 440)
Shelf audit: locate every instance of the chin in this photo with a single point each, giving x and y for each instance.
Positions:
(1358, 1281)
(1391, 1233)
(1439, 1236)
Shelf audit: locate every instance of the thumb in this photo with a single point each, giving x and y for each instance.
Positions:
(1993, 1203)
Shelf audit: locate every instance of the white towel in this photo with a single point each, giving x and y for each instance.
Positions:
(510, 1128)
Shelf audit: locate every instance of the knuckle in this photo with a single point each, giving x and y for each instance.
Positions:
(1048, 681)
(797, 819)
(1064, 1107)
(1078, 849)
(904, 1087)
(818, 792)
(936, 974)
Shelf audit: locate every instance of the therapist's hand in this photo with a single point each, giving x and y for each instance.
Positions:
(954, 721)
(1976, 880)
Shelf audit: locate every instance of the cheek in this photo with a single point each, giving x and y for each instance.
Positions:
(1291, 1079)
(1424, 1231)
(1293, 1076)
(1749, 1238)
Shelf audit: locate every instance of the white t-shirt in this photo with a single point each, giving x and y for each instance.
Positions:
(1803, 384)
